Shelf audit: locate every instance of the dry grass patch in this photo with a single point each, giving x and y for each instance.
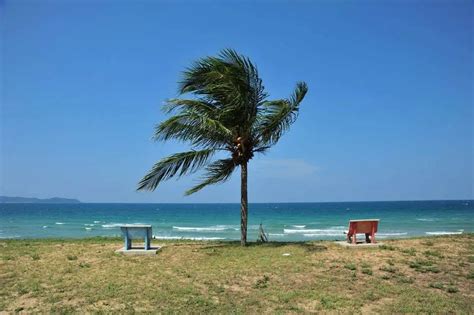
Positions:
(406, 276)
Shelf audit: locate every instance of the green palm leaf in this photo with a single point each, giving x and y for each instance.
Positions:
(194, 127)
(277, 116)
(176, 164)
(217, 172)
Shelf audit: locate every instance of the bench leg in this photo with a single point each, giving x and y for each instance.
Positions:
(354, 238)
(128, 243)
(147, 243)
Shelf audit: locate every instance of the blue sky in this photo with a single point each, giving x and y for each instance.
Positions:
(389, 114)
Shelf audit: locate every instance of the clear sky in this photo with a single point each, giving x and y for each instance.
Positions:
(389, 114)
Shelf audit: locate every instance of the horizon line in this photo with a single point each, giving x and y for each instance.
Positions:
(262, 202)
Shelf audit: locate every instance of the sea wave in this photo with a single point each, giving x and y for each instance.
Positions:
(88, 228)
(59, 223)
(276, 234)
(427, 219)
(313, 231)
(391, 234)
(331, 231)
(215, 228)
(445, 232)
(299, 226)
(165, 237)
(112, 225)
(326, 233)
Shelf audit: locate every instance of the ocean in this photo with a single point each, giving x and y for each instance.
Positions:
(282, 221)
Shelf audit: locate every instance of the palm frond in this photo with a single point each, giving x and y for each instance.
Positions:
(261, 149)
(217, 172)
(177, 164)
(197, 128)
(198, 105)
(277, 116)
(231, 80)
(250, 71)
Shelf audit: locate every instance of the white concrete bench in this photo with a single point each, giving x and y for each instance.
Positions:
(136, 231)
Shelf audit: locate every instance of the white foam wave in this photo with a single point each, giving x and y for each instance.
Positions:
(391, 234)
(116, 225)
(111, 225)
(427, 219)
(276, 234)
(322, 234)
(59, 223)
(299, 226)
(45, 226)
(313, 231)
(215, 228)
(97, 222)
(159, 237)
(88, 228)
(163, 237)
(89, 224)
(445, 233)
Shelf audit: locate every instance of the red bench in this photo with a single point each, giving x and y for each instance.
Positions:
(368, 227)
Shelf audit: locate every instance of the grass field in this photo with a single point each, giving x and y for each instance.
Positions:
(431, 275)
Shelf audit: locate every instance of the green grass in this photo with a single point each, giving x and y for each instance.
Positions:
(428, 243)
(433, 253)
(470, 275)
(389, 269)
(71, 257)
(424, 266)
(350, 266)
(452, 289)
(35, 256)
(405, 276)
(437, 285)
(409, 251)
(387, 247)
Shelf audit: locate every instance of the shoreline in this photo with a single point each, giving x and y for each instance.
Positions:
(224, 241)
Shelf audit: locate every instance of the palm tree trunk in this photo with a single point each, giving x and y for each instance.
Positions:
(243, 204)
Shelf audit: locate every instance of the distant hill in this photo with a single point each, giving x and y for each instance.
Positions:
(5, 199)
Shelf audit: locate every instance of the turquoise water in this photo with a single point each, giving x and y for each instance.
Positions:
(282, 221)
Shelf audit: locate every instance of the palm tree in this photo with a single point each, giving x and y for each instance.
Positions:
(229, 112)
